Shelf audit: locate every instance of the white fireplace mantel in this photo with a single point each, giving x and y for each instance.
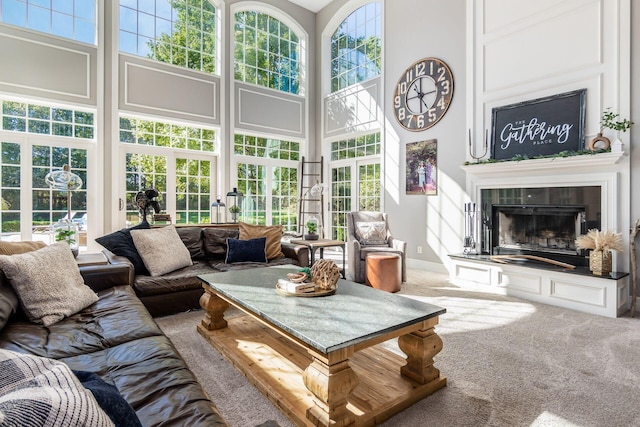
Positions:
(522, 167)
(583, 170)
(585, 293)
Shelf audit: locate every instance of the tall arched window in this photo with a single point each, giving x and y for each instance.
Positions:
(179, 32)
(68, 19)
(356, 47)
(267, 52)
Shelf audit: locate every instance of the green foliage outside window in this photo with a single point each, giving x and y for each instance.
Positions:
(266, 52)
(356, 48)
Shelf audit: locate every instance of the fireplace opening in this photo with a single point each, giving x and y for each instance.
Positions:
(542, 221)
(541, 229)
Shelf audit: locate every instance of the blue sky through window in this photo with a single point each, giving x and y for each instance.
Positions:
(71, 19)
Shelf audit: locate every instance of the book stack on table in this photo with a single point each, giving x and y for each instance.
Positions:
(295, 288)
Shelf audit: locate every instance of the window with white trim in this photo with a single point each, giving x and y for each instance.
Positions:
(177, 160)
(267, 175)
(74, 20)
(356, 49)
(178, 32)
(42, 139)
(266, 52)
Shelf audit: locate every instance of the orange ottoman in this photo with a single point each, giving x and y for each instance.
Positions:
(384, 271)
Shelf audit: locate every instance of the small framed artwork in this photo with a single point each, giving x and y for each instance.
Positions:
(422, 167)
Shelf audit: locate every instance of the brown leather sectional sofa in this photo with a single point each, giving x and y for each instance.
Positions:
(117, 339)
(181, 290)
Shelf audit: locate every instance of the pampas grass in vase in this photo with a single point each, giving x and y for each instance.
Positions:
(601, 243)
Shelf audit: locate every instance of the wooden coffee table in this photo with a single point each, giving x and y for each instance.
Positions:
(320, 360)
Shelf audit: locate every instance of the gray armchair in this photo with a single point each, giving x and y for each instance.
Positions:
(358, 245)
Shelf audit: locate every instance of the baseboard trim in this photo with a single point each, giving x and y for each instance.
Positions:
(426, 265)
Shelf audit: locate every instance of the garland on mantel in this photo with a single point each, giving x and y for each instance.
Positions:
(520, 157)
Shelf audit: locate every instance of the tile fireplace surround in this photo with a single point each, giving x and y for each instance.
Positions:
(579, 290)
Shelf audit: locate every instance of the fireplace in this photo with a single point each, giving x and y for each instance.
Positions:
(539, 221)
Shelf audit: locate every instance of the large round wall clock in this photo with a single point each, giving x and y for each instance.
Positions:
(423, 94)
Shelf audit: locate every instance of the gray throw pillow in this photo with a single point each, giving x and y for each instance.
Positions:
(161, 249)
(371, 232)
(48, 283)
(36, 391)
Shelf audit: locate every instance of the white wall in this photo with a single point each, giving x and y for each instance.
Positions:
(416, 29)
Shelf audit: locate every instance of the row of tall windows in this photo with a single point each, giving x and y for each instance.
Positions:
(180, 161)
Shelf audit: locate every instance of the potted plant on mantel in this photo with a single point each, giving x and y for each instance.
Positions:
(601, 243)
(608, 121)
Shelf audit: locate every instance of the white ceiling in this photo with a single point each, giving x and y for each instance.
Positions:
(312, 5)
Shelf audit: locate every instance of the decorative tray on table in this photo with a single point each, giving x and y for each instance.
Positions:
(316, 293)
(297, 285)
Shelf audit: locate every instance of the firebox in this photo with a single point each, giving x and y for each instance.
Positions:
(544, 230)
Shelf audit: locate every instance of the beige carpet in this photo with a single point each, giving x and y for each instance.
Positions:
(508, 362)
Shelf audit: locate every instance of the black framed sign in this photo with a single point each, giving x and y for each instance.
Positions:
(539, 127)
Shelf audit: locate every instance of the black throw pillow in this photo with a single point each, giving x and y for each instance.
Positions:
(252, 250)
(121, 243)
(109, 399)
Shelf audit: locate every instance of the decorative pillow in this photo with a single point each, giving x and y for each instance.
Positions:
(273, 233)
(215, 241)
(13, 248)
(161, 250)
(252, 250)
(109, 399)
(120, 243)
(36, 391)
(48, 283)
(9, 303)
(371, 232)
(192, 239)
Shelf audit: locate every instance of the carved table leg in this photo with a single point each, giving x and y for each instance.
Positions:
(214, 308)
(420, 347)
(330, 386)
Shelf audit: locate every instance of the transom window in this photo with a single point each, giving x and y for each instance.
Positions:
(356, 47)
(161, 134)
(267, 52)
(71, 19)
(41, 119)
(364, 145)
(247, 145)
(179, 32)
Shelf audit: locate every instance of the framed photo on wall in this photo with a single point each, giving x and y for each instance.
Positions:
(422, 167)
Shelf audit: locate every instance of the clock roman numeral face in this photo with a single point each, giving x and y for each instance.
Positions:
(423, 94)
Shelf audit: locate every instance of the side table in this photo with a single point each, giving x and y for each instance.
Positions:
(314, 245)
(98, 258)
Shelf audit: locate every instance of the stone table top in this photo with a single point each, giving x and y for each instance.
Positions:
(355, 313)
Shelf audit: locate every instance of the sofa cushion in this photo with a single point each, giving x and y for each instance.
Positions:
(192, 239)
(215, 241)
(371, 232)
(176, 281)
(252, 250)
(109, 399)
(48, 283)
(161, 250)
(150, 374)
(120, 243)
(13, 248)
(273, 233)
(33, 390)
(118, 317)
